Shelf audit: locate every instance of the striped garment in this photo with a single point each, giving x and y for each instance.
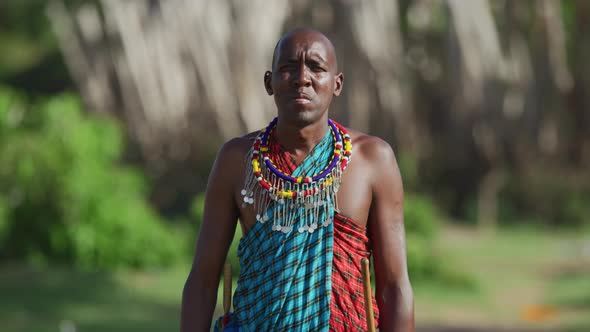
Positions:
(286, 280)
(347, 305)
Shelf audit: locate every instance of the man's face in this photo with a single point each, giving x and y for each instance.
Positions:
(304, 77)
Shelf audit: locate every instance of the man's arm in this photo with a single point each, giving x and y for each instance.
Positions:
(216, 233)
(393, 289)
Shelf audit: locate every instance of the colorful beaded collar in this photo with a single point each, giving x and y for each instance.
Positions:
(295, 196)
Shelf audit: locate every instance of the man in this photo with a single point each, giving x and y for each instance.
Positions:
(308, 215)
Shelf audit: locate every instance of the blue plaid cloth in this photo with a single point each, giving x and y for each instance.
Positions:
(285, 280)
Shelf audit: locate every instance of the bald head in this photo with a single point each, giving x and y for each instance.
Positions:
(309, 36)
(304, 77)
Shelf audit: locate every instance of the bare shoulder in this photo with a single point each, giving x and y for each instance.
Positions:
(371, 149)
(231, 160)
(236, 148)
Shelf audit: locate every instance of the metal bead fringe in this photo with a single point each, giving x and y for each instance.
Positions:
(301, 212)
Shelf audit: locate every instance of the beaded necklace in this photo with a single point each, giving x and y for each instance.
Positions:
(295, 199)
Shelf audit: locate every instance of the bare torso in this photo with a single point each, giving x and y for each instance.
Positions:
(354, 195)
(371, 194)
(303, 81)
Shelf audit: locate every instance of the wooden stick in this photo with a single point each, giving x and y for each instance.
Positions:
(368, 295)
(227, 280)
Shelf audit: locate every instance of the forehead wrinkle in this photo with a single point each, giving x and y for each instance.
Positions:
(315, 53)
(310, 54)
(312, 40)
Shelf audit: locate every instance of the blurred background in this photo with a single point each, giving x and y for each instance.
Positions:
(111, 113)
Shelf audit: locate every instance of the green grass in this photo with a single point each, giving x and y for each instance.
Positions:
(510, 271)
(514, 270)
(570, 290)
(40, 301)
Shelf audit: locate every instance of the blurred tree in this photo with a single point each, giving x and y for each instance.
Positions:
(62, 196)
(30, 59)
(483, 97)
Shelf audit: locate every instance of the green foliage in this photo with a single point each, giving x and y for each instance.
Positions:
(421, 218)
(29, 55)
(408, 166)
(62, 196)
(552, 196)
(425, 263)
(576, 208)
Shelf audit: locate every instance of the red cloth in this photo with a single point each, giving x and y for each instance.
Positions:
(347, 307)
(351, 244)
(282, 159)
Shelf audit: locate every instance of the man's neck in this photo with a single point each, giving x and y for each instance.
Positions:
(299, 141)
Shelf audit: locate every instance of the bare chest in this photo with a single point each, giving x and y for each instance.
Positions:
(353, 198)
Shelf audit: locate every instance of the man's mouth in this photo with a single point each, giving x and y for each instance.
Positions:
(301, 98)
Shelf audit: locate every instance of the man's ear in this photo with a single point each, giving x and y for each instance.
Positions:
(338, 82)
(267, 82)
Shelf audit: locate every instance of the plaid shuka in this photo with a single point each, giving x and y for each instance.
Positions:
(303, 281)
(285, 279)
(347, 306)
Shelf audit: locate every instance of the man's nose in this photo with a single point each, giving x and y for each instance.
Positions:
(302, 77)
